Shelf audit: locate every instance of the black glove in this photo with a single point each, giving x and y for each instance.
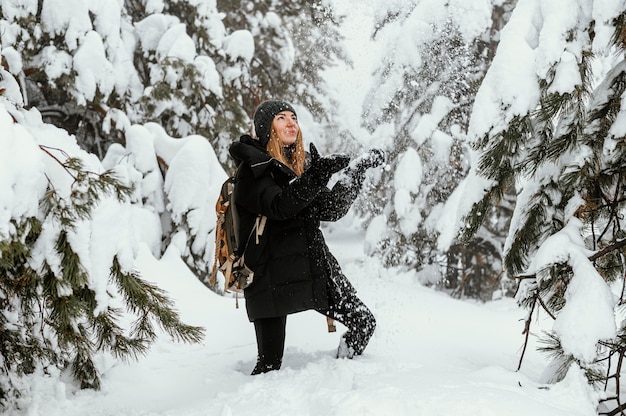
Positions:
(322, 168)
(354, 176)
(371, 159)
(304, 189)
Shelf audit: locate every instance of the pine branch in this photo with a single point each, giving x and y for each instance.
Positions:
(475, 218)
(529, 232)
(526, 330)
(87, 190)
(498, 160)
(606, 250)
(85, 370)
(615, 246)
(149, 302)
(110, 337)
(47, 149)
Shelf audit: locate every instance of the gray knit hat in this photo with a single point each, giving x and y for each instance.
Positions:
(264, 115)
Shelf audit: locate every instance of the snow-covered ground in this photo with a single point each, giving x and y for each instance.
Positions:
(430, 355)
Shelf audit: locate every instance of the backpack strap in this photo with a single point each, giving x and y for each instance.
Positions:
(218, 230)
(259, 227)
(331, 324)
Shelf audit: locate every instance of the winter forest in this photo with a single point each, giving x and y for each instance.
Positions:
(505, 178)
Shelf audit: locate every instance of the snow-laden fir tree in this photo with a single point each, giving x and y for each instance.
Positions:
(178, 201)
(193, 66)
(550, 120)
(437, 54)
(68, 239)
(81, 62)
(294, 42)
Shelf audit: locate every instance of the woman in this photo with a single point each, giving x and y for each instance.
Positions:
(293, 267)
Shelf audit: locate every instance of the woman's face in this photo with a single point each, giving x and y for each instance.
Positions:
(285, 125)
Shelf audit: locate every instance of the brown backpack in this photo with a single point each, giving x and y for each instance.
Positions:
(228, 249)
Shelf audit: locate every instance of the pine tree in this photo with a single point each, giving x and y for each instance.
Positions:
(161, 62)
(565, 152)
(294, 43)
(425, 89)
(53, 310)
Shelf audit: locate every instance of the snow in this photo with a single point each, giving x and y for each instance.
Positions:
(427, 125)
(106, 18)
(604, 11)
(12, 9)
(176, 44)
(472, 16)
(211, 78)
(93, 71)
(578, 328)
(349, 85)
(409, 172)
(56, 62)
(510, 83)
(430, 355)
(458, 204)
(375, 233)
(407, 180)
(20, 188)
(239, 44)
(13, 59)
(540, 36)
(73, 26)
(567, 75)
(618, 128)
(151, 29)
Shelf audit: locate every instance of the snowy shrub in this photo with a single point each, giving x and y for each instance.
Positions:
(68, 240)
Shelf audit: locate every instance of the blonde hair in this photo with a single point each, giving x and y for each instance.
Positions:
(296, 161)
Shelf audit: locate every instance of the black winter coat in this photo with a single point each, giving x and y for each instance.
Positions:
(292, 264)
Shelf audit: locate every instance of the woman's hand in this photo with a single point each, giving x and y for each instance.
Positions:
(323, 167)
(373, 158)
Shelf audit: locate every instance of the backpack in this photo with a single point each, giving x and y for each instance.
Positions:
(228, 249)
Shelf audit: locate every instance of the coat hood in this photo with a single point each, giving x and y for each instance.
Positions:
(251, 151)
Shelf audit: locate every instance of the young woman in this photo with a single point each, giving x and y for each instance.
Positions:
(293, 267)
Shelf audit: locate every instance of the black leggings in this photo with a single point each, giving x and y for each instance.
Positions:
(270, 341)
(345, 307)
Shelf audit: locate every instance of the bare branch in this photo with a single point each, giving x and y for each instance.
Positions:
(526, 331)
(615, 246)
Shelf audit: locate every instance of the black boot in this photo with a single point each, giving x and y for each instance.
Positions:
(263, 367)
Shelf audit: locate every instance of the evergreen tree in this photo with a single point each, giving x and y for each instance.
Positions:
(424, 89)
(164, 62)
(173, 62)
(59, 305)
(295, 42)
(176, 183)
(558, 136)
